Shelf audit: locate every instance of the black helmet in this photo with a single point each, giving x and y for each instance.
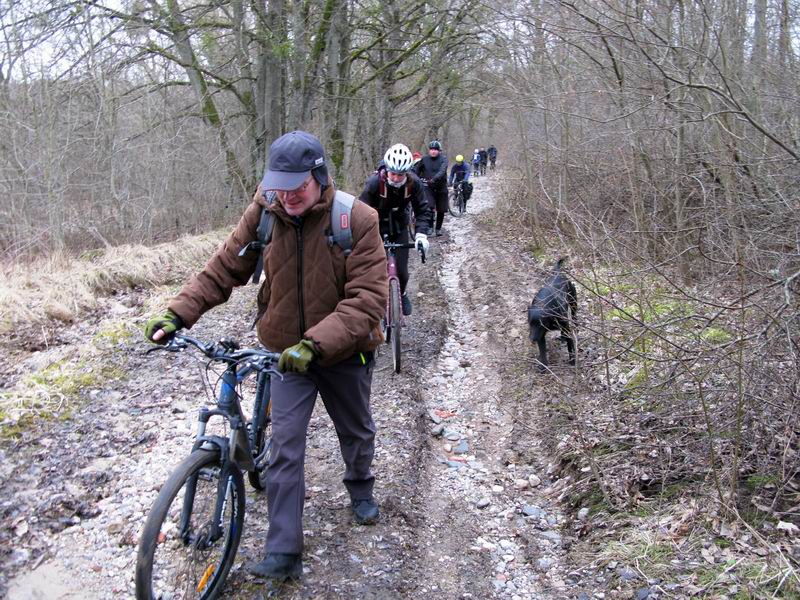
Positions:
(435, 145)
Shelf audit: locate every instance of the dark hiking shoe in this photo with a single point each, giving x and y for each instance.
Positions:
(278, 566)
(406, 305)
(365, 511)
(438, 233)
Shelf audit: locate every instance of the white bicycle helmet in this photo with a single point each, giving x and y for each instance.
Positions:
(398, 159)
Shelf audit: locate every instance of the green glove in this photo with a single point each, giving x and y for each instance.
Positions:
(169, 323)
(295, 359)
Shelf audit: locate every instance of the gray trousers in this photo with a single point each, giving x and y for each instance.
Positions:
(345, 389)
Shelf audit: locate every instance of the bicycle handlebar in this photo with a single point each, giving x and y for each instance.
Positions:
(225, 350)
(395, 246)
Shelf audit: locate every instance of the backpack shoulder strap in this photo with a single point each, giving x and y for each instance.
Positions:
(264, 234)
(341, 231)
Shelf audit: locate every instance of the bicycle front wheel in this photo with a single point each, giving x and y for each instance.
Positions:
(182, 554)
(395, 316)
(454, 204)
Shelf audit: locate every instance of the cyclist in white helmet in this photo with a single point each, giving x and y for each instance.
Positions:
(392, 191)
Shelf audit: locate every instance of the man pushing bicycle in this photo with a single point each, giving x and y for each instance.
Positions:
(392, 192)
(319, 305)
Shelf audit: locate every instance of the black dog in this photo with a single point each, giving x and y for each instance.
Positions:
(553, 309)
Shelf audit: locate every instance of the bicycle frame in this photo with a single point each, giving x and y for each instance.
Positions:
(236, 451)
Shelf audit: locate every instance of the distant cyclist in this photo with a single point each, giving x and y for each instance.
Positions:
(433, 169)
(476, 162)
(391, 192)
(484, 160)
(492, 152)
(459, 173)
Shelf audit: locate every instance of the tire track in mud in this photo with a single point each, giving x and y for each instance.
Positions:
(490, 531)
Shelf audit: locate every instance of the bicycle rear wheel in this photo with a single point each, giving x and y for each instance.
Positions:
(261, 433)
(262, 447)
(395, 316)
(178, 556)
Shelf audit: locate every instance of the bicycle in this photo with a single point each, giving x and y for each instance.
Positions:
(428, 194)
(458, 205)
(393, 320)
(192, 532)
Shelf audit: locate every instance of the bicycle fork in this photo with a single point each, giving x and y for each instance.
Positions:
(227, 451)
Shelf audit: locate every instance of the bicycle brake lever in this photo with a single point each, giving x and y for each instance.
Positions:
(274, 371)
(171, 346)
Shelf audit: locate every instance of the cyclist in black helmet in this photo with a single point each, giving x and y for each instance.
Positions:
(432, 169)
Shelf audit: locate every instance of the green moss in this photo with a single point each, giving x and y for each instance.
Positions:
(716, 335)
(755, 482)
(651, 556)
(13, 431)
(621, 314)
(68, 380)
(640, 379)
(52, 393)
(598, 288)
(115, 333)
(651, 309)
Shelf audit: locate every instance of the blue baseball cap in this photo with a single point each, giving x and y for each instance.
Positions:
(292, 158)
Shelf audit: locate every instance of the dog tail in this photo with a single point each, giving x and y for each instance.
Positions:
(559, 263)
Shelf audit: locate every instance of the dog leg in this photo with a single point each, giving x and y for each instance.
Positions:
(571, 349)
(542, 355)
(569, 337)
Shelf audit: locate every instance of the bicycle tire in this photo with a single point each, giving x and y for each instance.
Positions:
(455, 204)
(180, 575)
(395, 312)
(386, 329)
(262, 447)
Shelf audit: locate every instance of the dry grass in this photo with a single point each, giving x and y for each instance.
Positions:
(64, 288)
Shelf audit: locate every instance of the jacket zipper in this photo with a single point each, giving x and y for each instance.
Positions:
(301, 312)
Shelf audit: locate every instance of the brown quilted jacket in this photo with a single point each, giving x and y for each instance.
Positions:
(309, 289)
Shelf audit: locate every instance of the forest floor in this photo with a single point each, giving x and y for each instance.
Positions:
(471, 505)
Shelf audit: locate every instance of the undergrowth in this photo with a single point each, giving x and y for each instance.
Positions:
(65, 288)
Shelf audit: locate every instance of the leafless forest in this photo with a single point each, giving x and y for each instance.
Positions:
(655, 142)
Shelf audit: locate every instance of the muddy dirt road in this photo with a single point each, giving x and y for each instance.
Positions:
(466, 505)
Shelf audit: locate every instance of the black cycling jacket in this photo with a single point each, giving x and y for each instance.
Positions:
(434, 170)
(392, 204)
